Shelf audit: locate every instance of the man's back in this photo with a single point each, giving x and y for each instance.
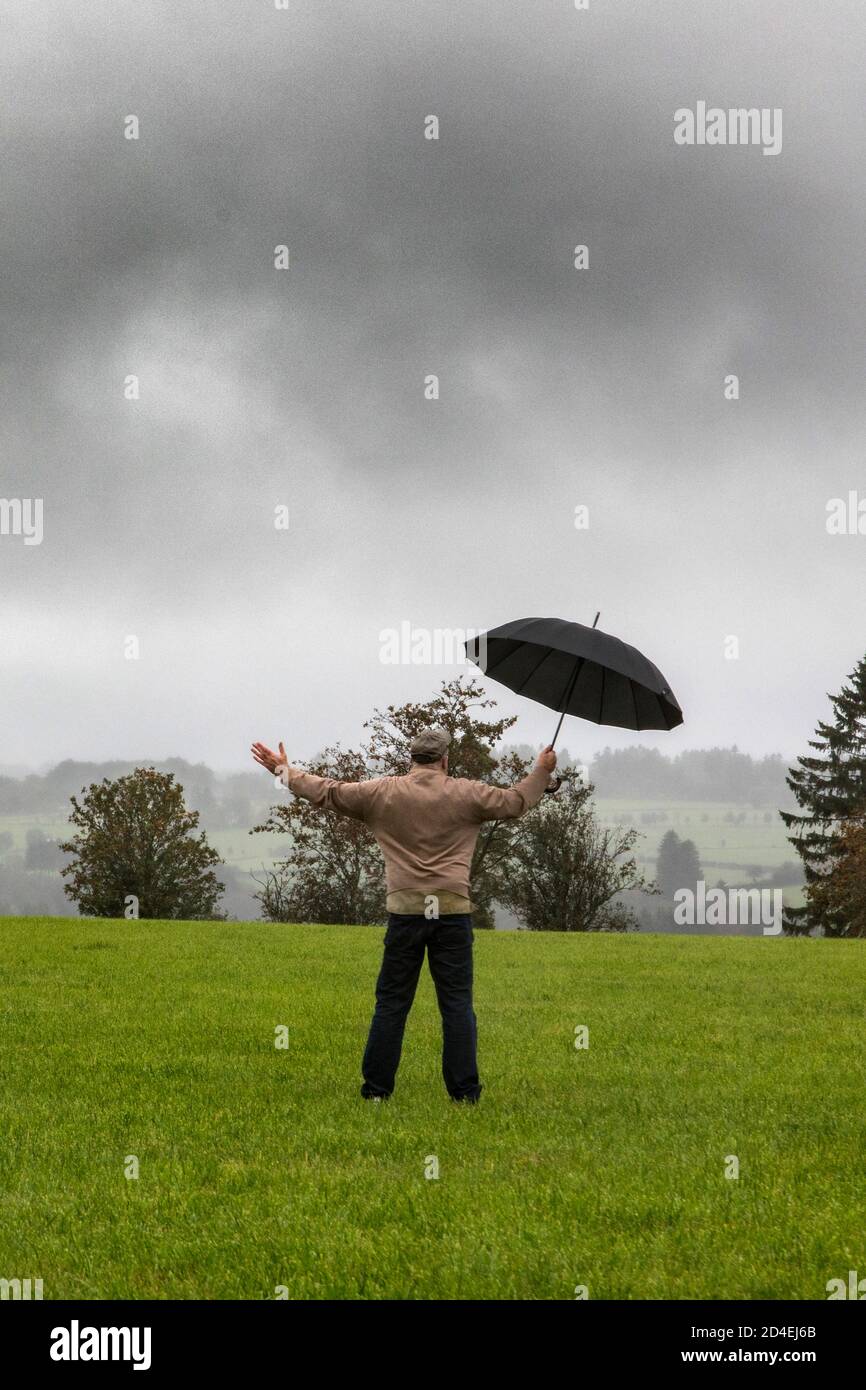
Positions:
(426, 823)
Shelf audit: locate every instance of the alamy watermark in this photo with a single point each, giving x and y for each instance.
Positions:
(20, 1289)
(846, 516)
(729, 907)
(855, 1287)
(22, 516)
(437, 646)
(77, 1343)
(712, 125)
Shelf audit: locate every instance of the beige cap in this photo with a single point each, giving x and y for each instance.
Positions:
(430, 743)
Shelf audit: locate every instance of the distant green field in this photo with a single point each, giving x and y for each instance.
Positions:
(236, 846)
(726, 834)
(261, 1168)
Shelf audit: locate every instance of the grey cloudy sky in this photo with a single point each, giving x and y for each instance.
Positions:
(559, 387)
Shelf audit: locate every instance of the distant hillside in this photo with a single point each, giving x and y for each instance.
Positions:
(698, 774)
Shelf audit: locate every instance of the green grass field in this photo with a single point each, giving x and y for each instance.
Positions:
(262, 1168)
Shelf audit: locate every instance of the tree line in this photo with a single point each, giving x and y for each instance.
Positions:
(697, 774)
(136, 842)
(712, 774)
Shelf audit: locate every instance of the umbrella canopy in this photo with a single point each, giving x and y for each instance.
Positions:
(577, 670)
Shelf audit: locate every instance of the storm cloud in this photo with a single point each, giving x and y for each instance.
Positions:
(409, 257)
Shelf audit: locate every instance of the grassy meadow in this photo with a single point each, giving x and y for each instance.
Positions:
(261, 1169)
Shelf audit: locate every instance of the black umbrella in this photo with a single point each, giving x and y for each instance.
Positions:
(577, 670)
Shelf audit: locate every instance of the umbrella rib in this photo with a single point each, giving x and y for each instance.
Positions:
(572, 682)
(486, 670)
(489, 669)
(601, 700)
(634, 705)
(519, 689)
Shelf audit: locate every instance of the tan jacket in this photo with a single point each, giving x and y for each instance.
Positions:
(426, 822)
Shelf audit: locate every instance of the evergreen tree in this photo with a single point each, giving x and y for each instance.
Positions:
(843, 892)
(677, 865)
(667, 871)
(830, 788)
(689, 866)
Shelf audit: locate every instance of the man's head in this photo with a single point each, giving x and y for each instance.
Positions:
(430, 747)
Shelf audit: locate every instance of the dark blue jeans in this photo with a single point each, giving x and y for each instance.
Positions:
(448, 943)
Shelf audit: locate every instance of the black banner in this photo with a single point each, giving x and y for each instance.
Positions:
(159, 1338)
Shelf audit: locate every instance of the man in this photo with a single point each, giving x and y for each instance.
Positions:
(426, 824)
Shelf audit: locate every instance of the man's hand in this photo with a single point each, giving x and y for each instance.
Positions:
(268, 760)
(546, 758)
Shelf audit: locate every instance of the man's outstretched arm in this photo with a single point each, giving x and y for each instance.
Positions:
(507, 803)
(325, 793)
